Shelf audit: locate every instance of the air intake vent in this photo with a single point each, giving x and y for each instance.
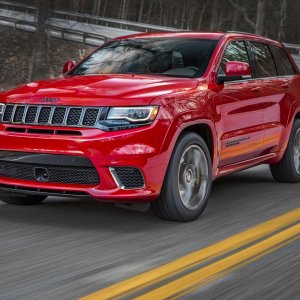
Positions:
(128, 178)
(90, 117)
(8, 113)
(19, 113)
(30, 114)
(59, 115)
(53, 115)
(44, 115)
(56, 174)
(74, 116)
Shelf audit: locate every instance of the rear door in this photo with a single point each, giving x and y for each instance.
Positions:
(242, 112)
(273, 90)
(284, 92)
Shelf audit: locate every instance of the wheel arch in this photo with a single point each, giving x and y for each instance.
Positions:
(206, 133)
(203, 127)
(293, 115)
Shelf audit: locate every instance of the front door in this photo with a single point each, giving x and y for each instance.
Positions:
(242, 112)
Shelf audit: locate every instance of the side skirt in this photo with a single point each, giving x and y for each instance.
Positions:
(242, 165)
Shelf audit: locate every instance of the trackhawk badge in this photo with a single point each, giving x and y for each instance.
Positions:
(237, 141)
(49, 100)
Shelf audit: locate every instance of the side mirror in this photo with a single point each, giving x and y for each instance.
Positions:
(235, 70)
(68, 66)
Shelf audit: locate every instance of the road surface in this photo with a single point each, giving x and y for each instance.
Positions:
(68, 249)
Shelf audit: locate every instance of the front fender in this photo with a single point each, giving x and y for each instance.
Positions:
(177, 127)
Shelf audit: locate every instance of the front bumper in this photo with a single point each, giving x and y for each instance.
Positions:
(138, 148)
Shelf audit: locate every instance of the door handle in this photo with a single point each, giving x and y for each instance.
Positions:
(285, 85)
(256, 89)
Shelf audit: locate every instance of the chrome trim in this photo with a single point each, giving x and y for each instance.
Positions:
(82, 115)
(116, 178)
(2, 109)
(64, 122)
(37, 115)
(25, 113)
(13, 114)
(98, 117)
(51, 115)
(119, 183)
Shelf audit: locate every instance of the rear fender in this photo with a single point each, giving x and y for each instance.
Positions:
(295, 109)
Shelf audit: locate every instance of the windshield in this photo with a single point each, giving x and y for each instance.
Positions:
(169, 57)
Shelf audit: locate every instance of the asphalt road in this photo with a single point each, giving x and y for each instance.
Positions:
(66, 248)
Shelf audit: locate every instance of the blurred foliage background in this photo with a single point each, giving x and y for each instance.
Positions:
(26, 56)
(277, 19)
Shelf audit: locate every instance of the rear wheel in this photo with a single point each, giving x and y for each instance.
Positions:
(188, 181)
(25, 200)
(288, 169)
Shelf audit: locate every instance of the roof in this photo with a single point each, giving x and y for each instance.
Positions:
(179, 34)
(201, 35)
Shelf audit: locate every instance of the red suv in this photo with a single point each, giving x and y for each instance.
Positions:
(153, 118)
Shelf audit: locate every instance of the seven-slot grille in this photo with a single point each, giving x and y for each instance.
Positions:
(53, 115)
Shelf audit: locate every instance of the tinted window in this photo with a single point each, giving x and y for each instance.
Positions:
(283, 64)
(169, 57)
(235, 51)
(262, 61)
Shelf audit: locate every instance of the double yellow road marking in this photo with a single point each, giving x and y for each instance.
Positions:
(193, 280)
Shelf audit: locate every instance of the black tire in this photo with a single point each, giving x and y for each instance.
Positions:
(169, 205)
(25, 200)
(285, 170)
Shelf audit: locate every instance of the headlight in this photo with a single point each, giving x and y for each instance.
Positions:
(128, 117)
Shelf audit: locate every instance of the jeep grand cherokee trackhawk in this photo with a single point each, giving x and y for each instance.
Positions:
(153, 118)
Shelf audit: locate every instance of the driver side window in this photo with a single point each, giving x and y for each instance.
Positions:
(235, 51)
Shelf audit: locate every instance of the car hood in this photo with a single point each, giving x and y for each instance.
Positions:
(99, 90)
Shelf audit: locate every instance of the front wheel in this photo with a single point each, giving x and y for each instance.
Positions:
(288, 168)
(188, 181)
(25, 200)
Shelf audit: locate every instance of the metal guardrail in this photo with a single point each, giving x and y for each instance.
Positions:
(17, 24)
(79, 35)
(70, 34)
(67, 15)
(20, 7)
(87, 38)
(294, 49)
(128, 25)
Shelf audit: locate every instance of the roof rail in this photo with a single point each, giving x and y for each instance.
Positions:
(242, 32)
